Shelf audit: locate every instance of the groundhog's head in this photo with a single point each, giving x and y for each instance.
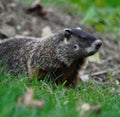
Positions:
(75, 44)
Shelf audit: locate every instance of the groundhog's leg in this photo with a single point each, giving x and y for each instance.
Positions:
(41, 74)
(32, 72)
(72, 81)
(72, 75)
(36, 72)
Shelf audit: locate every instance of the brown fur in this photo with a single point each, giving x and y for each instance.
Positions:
(70, 76)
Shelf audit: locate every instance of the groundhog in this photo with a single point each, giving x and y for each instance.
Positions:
(60, 56)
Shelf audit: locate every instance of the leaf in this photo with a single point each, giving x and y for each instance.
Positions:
(99, 27)
(89, 15)
(87, 108)
(28, 99)
(38, 9)
(95, 58)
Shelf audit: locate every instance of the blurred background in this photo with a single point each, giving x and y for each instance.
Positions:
(102, 15)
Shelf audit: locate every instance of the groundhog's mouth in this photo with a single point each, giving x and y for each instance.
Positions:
(94, 47)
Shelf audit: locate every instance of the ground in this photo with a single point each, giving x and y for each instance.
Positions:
(16, 20)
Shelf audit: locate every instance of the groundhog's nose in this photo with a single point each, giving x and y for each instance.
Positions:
(98, 44)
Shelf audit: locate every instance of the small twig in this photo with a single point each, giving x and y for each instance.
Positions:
(99, 73)
(116, 70)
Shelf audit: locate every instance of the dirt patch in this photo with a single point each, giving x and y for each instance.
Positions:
(15, 20)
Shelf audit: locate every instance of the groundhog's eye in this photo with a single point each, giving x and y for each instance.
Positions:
(76, 47)
(67, 34)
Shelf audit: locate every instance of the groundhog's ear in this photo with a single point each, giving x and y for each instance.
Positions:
(67, 33)
(78, 28)
(67, 29)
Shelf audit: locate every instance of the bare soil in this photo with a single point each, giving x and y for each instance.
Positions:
(16, 20)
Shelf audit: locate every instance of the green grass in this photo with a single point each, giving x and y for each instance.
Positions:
(59, 101)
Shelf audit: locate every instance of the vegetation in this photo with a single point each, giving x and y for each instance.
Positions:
(59, 101)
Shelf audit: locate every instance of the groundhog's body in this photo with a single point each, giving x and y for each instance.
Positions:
(54, 56)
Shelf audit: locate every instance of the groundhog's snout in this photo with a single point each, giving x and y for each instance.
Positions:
(97, 44)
